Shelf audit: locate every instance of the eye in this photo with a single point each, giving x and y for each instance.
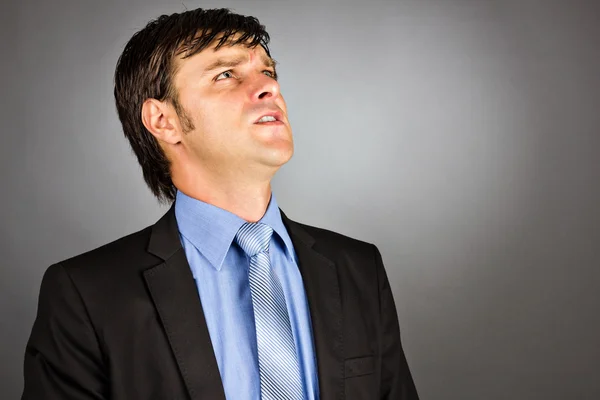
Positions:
(224, 75)
(270, 73)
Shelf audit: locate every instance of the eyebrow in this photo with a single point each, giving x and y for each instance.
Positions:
(228, 62)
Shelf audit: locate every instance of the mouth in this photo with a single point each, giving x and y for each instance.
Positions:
(270, 118)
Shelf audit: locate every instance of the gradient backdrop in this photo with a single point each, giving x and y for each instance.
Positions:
(462, 137)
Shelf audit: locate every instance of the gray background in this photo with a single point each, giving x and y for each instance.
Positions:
(461, 137)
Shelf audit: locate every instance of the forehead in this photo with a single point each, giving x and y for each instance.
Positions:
(229, 49)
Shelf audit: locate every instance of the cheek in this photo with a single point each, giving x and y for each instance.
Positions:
(219, 121)
(226, 110)
(218, 112)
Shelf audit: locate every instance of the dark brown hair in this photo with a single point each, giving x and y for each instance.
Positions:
(146, 68)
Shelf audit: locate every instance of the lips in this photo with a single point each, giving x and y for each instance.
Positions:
(275, 114)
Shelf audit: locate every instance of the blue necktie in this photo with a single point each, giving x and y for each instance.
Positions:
(277, 357)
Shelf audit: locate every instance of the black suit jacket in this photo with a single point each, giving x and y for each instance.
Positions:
(125, 322)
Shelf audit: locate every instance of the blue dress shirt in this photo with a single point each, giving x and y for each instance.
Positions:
(220, 268)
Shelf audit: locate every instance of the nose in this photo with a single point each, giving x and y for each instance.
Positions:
(264, 88)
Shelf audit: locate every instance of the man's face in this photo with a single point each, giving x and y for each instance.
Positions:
(225, 93)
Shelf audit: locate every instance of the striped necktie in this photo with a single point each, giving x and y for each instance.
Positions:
(277, 357)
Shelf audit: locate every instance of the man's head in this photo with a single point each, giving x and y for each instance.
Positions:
(190, 89)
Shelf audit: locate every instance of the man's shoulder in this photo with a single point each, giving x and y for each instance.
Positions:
(334, 237)
(356, 260)
(331, 244)
(120, 255)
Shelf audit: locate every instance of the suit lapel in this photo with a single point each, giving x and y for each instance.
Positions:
(323, 293)
(175, 296)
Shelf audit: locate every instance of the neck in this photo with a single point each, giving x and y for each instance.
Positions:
(246, 198)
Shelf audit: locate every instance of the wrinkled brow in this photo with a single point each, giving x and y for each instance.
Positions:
(231, 62)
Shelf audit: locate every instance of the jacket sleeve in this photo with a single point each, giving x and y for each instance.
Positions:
(396, 379)
(63, 358)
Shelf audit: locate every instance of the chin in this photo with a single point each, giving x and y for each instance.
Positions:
(278, 158)
(276, 155)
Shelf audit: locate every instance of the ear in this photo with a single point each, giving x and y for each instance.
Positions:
(160, 119)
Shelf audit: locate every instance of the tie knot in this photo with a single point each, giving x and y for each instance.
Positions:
(254, 237)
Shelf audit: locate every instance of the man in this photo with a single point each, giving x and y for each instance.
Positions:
(224, 297)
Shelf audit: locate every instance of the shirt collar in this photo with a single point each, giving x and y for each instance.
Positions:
(212, 229)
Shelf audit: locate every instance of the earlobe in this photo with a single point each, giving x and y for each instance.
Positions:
(157, 118)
